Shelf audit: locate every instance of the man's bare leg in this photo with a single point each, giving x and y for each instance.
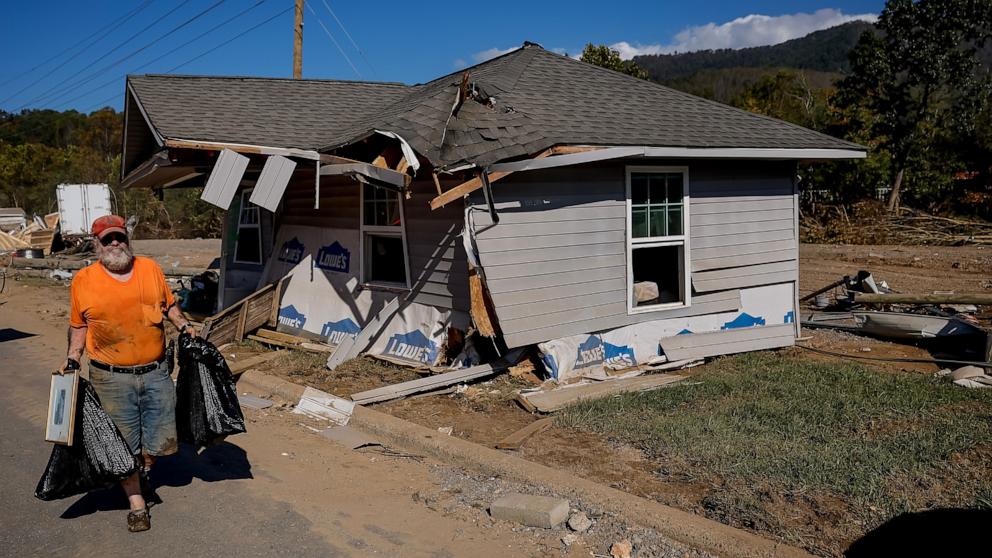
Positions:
(132, 487)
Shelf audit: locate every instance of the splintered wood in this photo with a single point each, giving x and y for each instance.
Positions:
(480, 309)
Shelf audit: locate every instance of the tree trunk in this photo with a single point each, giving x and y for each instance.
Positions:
(895, 193)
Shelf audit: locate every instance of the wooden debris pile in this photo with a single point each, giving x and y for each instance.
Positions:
(868, 223)
(38, 234)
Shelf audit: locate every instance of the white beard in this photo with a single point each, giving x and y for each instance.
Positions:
(117, 260)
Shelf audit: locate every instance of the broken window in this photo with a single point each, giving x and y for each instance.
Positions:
(657, 256)
(248, 244)
(383, 237)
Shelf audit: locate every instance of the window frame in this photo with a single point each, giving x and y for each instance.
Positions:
(381, 230)
(656, 241)
(245, 194)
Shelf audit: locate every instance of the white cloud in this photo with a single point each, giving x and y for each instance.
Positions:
(491, 53)
(459, 63)
(747, 31)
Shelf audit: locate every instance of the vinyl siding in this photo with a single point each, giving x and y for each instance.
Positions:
(555, 264)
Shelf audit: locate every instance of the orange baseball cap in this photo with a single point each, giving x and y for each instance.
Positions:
(108, 224)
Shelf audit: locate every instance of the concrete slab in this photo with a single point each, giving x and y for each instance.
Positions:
(533, 511)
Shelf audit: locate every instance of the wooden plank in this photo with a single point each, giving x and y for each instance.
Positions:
(239, 366)
(895, 298)
(276, 298)
(242, 319)
(469, 186)
(437, 381)
(553, 400)
(280, 336)
(480, 305)
(308, 346)
(351, 347)
(699, 345)
(517, 439)
(224, 179)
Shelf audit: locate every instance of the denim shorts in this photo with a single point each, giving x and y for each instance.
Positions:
(143, 406)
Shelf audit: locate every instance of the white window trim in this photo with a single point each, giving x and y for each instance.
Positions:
(384, 231)
(245, 194)
(677, 240)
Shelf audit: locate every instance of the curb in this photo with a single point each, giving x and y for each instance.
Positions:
(684, 527)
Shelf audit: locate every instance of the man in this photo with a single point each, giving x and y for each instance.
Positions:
(117, 313)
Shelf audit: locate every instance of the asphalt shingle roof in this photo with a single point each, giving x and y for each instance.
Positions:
(542, 99)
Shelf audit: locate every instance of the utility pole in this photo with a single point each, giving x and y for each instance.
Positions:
(298, 41)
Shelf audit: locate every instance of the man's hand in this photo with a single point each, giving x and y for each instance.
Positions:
(70, 365)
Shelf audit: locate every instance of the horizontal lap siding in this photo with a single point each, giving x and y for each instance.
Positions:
(438, 266)
(742, 220)
(339, 200)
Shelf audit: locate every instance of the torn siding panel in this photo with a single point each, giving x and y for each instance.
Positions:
(272, 182)
(224, 179)
(700, 345)
(747, 276)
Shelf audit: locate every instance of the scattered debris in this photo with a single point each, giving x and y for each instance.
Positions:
(431, 383)
(533, 511)
(320, 405)
(968, 376)
(555, 399)
(239, 366)
(253, 402)
(517, 439)
(579, 522)
(349, 437)
(622, 549)
(448, 430)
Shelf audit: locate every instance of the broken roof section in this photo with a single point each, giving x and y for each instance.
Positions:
(518, 104)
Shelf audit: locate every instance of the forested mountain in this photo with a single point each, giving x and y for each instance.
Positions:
(824, 51)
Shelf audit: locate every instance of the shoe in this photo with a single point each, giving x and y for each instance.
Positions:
(138, 521)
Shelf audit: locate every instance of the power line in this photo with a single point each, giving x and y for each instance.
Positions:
(347, 34)
(333, 40)
(227, 42)
(150, 62)
(118, 21)
(93, 75)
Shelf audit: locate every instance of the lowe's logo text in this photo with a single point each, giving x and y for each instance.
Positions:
(413, 346)
(594, 351)
(337, 332)
(291, 251)
(334, 257)
(291, 317)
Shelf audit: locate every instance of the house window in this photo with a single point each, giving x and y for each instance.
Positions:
(657, 239)
(248, 244)
(384, 260)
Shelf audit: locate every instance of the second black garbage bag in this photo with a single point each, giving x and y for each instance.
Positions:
(207, 408)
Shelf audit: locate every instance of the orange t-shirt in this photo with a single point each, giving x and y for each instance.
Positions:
(124, 319)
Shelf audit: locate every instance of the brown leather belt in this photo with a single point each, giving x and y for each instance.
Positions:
(139, 369)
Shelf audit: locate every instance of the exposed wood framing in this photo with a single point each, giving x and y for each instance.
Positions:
(474, 184)
(246, 315)
(481, 305)
(437, 184)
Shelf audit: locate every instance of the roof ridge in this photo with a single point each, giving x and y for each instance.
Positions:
(269, 78)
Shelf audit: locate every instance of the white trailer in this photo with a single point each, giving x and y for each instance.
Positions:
(80, 205)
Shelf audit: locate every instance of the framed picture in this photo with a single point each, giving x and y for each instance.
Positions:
(61, 408)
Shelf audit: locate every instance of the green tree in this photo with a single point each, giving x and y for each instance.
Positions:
(606, 57)
(910, 81)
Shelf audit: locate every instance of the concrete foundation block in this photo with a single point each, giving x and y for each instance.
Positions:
(533, 511)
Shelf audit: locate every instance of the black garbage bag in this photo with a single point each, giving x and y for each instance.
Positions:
(98, 457)
(207, 408)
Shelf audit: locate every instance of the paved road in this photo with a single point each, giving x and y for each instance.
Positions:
(278, 490)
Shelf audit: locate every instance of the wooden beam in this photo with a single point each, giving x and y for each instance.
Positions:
(239, 366)
(474, 184)
(894, 298)
(553, 400)
(437, 184)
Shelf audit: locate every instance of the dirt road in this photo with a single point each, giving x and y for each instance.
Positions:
(277, 490)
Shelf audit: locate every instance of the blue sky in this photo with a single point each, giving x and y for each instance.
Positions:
(60, 55)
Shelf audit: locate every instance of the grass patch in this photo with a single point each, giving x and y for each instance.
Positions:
(877, 441)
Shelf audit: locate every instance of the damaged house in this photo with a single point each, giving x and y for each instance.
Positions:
(533, 199)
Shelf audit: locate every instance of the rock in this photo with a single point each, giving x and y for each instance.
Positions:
(570, 539)
(966, 372)
(534, 511)
(579, 522)
(622, 549)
